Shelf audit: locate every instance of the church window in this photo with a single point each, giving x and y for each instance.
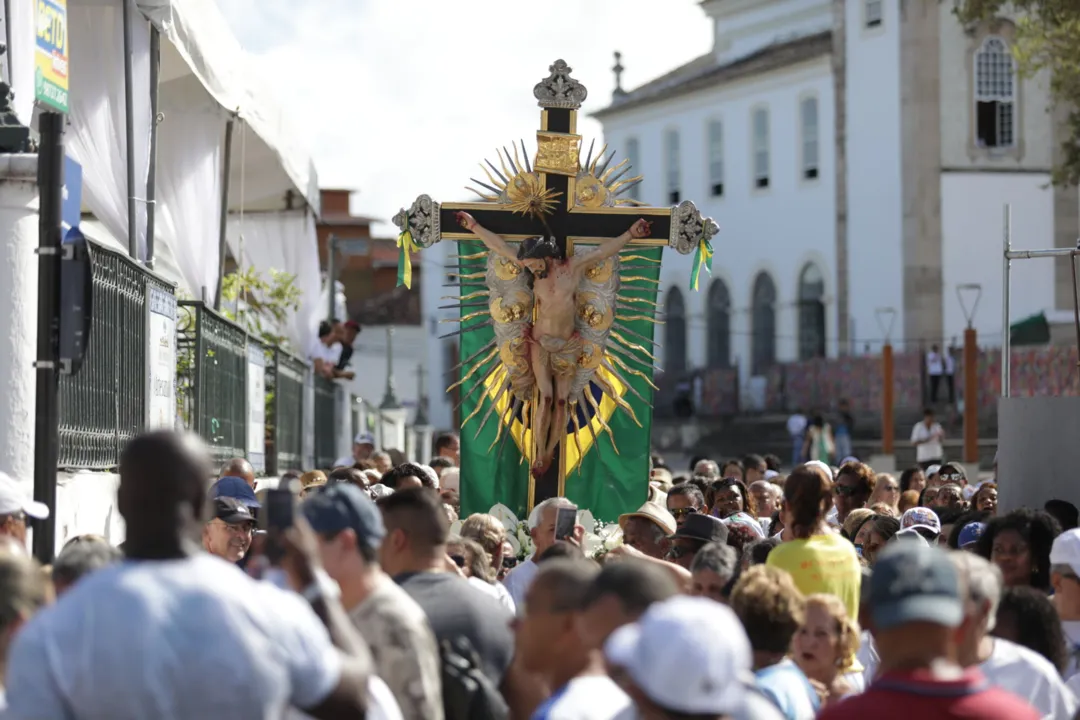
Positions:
(811, 312)
(674, 168)
(633, 154)
(674, 333)
(873, 13)
(716, 158)
(761, 148)
(995, 95)
(763, 318)
(808, 112)
(719, 325)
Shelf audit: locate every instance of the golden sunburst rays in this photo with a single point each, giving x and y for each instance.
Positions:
(599, 183)
(516, 184)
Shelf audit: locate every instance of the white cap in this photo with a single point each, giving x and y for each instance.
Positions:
(14, 499)
(379, 490)
(920, 517)
(770, 474)
(933, 470)
(687, 654)
(822, 466)
(1066, 550)
(364, 439)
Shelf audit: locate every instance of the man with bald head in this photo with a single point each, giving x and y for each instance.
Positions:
(241, 468)
(174, 632)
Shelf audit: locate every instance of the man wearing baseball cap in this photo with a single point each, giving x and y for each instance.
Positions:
(362, 448)
(1065, 579)
(350, 529)
(15, 506)
(228, 534)
(685, 657)
(916, 608)
(237, 488)
(923, 521)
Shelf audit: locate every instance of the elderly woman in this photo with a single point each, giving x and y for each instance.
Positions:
(733, 504)
(824, 648)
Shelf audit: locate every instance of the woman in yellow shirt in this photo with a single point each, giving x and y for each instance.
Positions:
(818, 559)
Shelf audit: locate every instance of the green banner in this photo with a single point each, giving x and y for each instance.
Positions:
(606, 478)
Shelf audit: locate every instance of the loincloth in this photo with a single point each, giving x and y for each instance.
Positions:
(560, 356)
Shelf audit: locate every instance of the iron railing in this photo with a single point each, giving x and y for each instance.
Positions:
(325, 431)
(105, 404)
(212, 379)
(285, 383)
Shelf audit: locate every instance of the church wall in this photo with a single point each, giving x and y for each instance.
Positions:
(777, 229)
(972, 225)
(745, 26)
(873, 136)
(1034, 124)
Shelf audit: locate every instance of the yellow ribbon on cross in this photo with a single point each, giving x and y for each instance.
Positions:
(406, 247)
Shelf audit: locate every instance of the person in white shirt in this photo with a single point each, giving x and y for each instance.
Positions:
(1065, 579)
(1007, 665)
(173, 633)
(549, 644)
(927, 437)
(796, 427)
(363, 448)
(15, 506)
(542, 531)
(935, 368)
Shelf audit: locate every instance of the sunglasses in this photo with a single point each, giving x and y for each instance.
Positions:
(844, 490)
(459, 560)
(951, 476)
(510, 562)
(681, 512)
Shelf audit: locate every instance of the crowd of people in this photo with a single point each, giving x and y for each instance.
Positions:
(738, 592)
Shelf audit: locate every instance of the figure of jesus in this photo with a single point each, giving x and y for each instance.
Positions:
(554, 343)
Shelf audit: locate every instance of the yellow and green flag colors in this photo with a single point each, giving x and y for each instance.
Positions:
(609, 478)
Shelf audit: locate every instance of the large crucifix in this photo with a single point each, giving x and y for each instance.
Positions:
(565, 205)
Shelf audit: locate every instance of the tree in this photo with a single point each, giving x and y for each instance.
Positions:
(263, 306)
(1047, 37)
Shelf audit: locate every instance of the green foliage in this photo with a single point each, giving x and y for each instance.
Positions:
(264, 304)
(1047, 38)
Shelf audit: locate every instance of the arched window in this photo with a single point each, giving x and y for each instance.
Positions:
(719, 325)
(995, 94)
(811, 312)
(763, 345)
(675, 333)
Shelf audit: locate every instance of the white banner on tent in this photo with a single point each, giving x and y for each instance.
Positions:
(256, 420)
(161, 359)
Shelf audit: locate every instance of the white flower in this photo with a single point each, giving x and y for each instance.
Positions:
(592, 544)
(611, 536)
(586, 520)
(514, 544)
(506, 516)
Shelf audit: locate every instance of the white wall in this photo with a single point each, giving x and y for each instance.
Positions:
(743, 27)
(369, 363)
(440, 409)
(779, 229)
(972, 225)
(874, 197)
(86, 503)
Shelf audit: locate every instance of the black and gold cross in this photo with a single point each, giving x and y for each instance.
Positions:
(579, 195)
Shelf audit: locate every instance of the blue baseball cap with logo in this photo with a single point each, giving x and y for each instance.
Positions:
(344, 506)
(971, 534)
(237, 488)
(913, 582)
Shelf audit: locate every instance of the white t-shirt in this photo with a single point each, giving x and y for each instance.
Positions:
(1029, 675)
(929, 449)
(496, 591)
(381, 704)
(171, 640)
(519, 580)
(796, 425)
(1072, 637)
(934, 364)
(319, 351)
(867, 655)
(593, 697)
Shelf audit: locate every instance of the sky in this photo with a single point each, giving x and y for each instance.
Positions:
(403, 97)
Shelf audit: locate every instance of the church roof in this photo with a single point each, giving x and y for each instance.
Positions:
(706, 71)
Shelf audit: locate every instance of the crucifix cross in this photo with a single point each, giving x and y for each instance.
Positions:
(562, 192)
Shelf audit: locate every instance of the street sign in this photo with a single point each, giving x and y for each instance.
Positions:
(51, 55)
(71, 206)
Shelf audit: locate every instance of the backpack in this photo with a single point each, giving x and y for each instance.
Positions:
(468, 694)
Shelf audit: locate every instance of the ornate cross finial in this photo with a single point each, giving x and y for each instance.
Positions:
(618, 70)
(559, 90)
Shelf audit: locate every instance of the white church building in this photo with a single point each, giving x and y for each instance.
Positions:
(857, 155)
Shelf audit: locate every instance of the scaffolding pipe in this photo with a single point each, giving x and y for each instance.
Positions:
(129, 116)
(1006, 265)
(151, 171)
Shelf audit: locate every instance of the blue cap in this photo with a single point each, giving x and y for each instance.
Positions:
(344, 506)
(237, 488)
(913, 582)
(971, 534)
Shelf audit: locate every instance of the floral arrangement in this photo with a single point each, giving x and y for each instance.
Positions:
(599, 539)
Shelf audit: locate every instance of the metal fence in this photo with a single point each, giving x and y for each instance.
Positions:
(285, 383)
(325, 431)
(211, 378)
(105, 403)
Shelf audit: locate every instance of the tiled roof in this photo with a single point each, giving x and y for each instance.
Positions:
(704, 72)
